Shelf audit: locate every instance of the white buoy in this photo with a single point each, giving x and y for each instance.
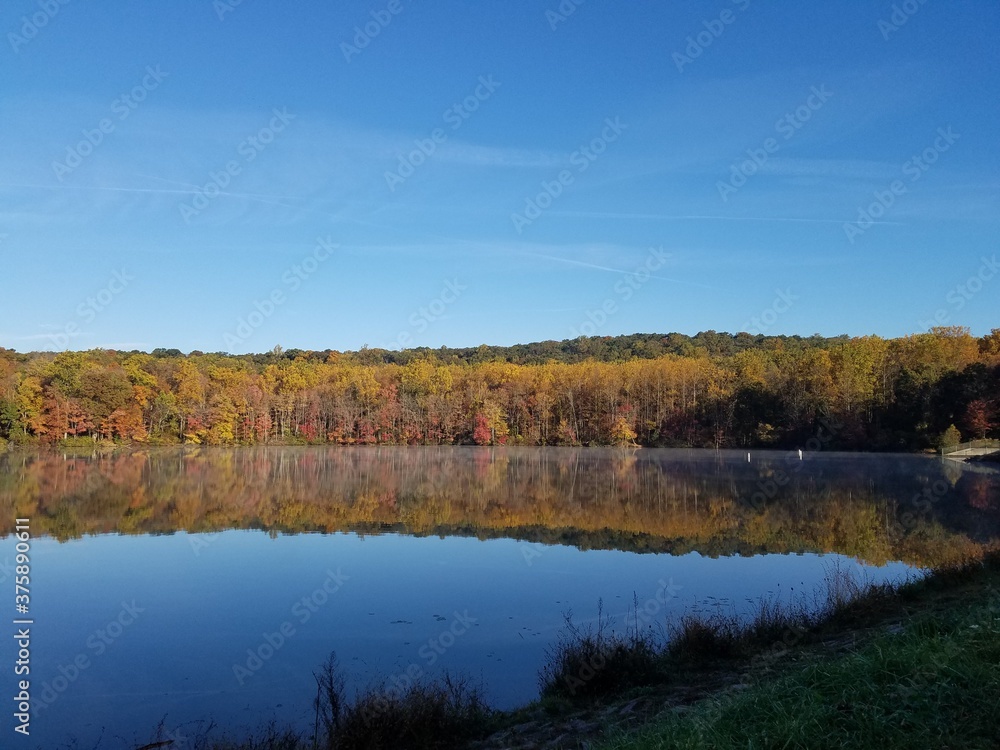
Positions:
(800, 454)
(748, 457)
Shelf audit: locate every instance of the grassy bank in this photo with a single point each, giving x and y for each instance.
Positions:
(916, 665)
(934, 683)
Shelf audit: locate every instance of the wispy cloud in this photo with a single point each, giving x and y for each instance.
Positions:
(472, 155)
(46, 336)
(189, 190)
(855, 169)
(608, 269)
(698, 217)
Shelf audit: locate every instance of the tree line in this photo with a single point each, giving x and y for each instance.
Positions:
(709, 390)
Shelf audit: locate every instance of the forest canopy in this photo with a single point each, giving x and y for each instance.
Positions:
(709, 390)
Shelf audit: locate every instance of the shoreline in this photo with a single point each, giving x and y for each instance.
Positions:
(108, 446)
(697, 681)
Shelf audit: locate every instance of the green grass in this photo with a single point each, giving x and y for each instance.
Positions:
(935, 684)
(588, 664)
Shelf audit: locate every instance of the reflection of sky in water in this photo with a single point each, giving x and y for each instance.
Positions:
(207, 599)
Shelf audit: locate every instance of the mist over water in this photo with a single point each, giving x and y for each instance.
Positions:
(193, 584)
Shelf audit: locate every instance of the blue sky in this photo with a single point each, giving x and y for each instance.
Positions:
(410, 173)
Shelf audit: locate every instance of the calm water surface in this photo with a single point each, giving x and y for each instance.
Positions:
(190, 585)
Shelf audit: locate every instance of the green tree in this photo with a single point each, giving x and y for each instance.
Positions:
(950, 437)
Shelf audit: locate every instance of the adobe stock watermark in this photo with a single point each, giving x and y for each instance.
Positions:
(582, 159)
(646, 614)
(249, 149)
(901, 13)
(88, 310)
(910, 512)
(200, 541)
(762, 323)
(656, 605)
(562, 12)
(430, 652)
(364, 34)
(624, 290)
(120, 108)
(786, 127)
(33, 24)
(223, 8)
(531, 550)
(174, 739)
(436, 647)
(769, 487)
(99, 642)
(292, 280)
(713, 29)
(422, 318)
(914, 168)
(301, 612)
(455, 116)
(961, 294)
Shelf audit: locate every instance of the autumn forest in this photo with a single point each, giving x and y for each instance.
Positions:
(709, 390)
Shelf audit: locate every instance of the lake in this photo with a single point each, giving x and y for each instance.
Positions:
(189, 585)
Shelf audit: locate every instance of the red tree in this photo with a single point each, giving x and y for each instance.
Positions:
(979, 418)
(482, 434)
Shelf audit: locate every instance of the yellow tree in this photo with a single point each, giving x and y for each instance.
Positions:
(989, 346)
(222, 419)
(930, 355)
(28, 400)
(496, 421)
(622, 433)
(857, 368)
(190, 388)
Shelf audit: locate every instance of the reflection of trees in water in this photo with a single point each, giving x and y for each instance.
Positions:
(982, 492)
(896, 507)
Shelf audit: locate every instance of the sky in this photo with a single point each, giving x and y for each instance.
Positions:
(239, 174)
